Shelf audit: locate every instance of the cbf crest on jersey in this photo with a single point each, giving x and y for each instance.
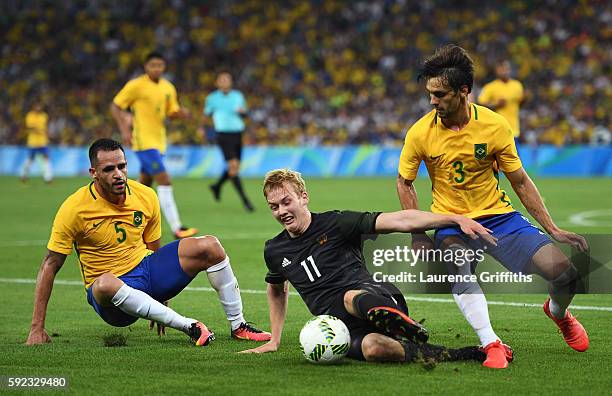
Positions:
(480, 151)
(137, 218)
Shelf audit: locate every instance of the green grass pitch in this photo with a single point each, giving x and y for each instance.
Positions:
(171, 365)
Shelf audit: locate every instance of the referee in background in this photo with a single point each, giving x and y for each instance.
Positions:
(227, 107)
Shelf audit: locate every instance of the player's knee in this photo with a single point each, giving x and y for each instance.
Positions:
(373, 348)
(106, 286)
(163, 179)
(565, 283)
(211, 249)
(233, 167)
(349, 300)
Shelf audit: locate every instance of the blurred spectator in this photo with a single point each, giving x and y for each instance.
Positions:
(505, 96)
(314, 72)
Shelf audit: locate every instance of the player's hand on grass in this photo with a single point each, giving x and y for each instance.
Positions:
(161, 329)
(269, 346)
(475, 230)
(571, 238)
(38, 336)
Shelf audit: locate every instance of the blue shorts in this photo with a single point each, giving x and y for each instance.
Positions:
(38, 150)
(518, 239)
(159, 275)
(151, 161)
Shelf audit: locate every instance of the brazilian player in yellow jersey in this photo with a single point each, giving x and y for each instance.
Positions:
(151, 98)
(36, 122)
(504, 95)
(460, 142)
(113, 224)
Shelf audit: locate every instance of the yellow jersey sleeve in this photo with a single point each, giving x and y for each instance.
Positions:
(172, 103)
(520, 90)
(506, 153)
(411, 155)
(152, 231)
(485, 96)
(63, 231)
(128, 94)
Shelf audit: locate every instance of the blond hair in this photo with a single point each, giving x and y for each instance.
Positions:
(277, 177)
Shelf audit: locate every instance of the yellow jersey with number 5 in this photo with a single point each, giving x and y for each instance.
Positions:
(150, 103)
(462, 165)
(106, 237)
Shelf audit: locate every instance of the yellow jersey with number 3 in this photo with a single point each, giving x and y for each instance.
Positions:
(106, 237)
(512, 93)
(150, 103)
(461, 164)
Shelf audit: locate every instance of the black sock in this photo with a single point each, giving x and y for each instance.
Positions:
(238, 185)
(222, 179)
(363, 302)
(424, 352)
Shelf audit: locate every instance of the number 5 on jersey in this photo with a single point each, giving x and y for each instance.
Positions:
(304, 265)
(120, 231)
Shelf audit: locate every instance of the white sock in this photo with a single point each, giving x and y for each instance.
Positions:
(138, 303)
(168, 207)
(26, 168)
(475, 310)
(558, 305)
(47, 174)
(222, 279)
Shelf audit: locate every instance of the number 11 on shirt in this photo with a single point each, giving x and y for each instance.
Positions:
(304, 264)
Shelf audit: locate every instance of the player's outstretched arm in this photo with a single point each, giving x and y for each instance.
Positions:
(529, 195)
(409, 200)
(412, 220)
(44, 284)
(277, 304)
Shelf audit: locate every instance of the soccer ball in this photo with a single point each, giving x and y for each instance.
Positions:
(324, 339)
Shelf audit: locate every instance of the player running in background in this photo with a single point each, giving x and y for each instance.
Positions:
(320, 255)
(227, 107)
(36, 121)
(505, 96)
(459, 142)
(114, 225)
(151, 98)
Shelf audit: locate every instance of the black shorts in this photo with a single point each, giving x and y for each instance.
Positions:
(230, 144)
(359, 328)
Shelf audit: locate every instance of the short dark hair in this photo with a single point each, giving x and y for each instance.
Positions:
(103, 144)
(154, 54)
(452, 64)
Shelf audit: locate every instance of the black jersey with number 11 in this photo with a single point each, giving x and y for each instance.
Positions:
(325, 260)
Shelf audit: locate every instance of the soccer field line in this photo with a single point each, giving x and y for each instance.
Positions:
(292, 293)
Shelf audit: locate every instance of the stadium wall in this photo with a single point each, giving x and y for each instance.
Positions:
(336, 161)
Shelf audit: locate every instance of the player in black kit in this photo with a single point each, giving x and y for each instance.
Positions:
(320, 254)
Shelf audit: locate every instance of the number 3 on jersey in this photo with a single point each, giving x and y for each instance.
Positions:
(458, 166)
(304, 265)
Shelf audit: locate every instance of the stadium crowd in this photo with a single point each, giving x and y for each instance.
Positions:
(313, 72)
